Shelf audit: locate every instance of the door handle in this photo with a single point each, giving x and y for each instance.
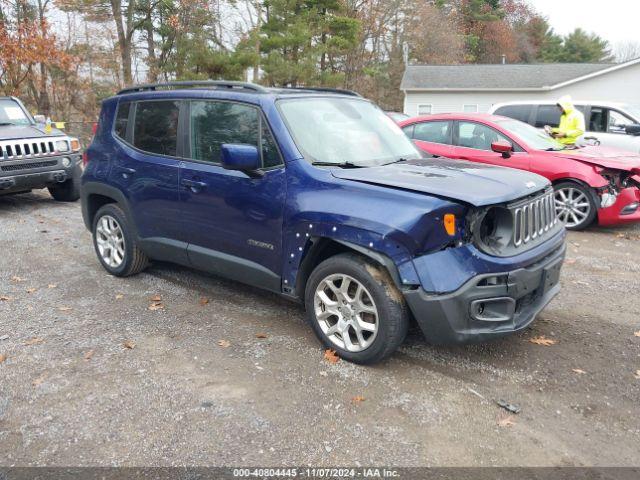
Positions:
(193, 185)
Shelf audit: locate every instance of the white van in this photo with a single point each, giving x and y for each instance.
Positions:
(611, 124)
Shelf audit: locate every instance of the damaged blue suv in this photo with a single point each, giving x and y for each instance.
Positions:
(317, 195)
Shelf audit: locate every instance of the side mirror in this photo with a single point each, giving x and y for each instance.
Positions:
(633, 129)
(505, 148)
(241, 157)
(40, 118)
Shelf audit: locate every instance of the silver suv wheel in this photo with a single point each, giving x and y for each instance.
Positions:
(346, 312)
(110, 241)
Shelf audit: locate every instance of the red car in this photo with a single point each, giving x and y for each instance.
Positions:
(592, 184)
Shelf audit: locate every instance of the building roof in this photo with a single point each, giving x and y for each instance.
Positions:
(500, 77)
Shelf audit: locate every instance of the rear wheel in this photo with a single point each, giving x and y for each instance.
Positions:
(115, 243)
(575, 204)
(355, 308)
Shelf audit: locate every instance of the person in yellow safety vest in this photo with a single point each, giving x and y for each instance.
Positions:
(572, 124)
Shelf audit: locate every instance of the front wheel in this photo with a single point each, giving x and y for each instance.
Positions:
(576, 205)
(355, 308)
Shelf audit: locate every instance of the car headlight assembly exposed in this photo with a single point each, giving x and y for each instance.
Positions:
(62, 146)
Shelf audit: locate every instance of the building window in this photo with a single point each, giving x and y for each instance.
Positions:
(470, 108)
(425, 109)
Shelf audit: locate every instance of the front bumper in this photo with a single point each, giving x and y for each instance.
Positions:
(489, 305)
(615, 214)
(27, 174)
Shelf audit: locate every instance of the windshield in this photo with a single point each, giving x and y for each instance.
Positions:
(534, 138)
(345, 131)
(11, 113)
(634, 111)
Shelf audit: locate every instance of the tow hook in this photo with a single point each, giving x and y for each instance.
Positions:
(6, 183)
(60, 177)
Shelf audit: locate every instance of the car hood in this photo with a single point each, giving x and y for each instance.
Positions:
(13, 132)
(604, 157)
(472, 183)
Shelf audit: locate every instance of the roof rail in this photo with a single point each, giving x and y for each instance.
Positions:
(328, 90)
(218, 84)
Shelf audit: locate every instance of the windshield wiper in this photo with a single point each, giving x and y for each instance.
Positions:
(399, 160)
(337, 164)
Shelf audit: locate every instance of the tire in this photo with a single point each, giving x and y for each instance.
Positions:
(576, 205)
(115, 243)
(69, 190)
(379, 293)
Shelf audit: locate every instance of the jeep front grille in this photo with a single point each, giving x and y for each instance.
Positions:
(27, 166)
(533, 219)
(27, 148)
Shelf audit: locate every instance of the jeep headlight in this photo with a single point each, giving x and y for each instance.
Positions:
(62, 146)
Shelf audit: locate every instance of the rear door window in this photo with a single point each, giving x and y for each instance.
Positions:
(434, 132)
(547, 115)
(598, 120)
(156, 127)
(517, 112)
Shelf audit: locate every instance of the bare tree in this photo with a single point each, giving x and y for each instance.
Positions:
(625, 51)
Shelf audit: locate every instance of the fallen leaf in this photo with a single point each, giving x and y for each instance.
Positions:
(204, 301)
(156, 298)
(330, 356)
(39, 380)
(542, 340)
(637, 375)
(119, 296)
(3, 357)
(578, 371)
(31, 290)
(357, 399)
(34, 341)
(637, 334)
(17, 279)
(4, 298)
(130, 344)
(156, 306)
(570, 261)
(261, 335)
(224, 343)
(65, 309)
(506, 422)
(88, 355)
(52, 285)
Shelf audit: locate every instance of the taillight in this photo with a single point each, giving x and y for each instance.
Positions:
(94, 128)
(85, 158)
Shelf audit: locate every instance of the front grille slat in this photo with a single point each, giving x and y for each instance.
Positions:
(533, 219)
(27, 148)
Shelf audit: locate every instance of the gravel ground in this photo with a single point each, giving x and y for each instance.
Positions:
(199, 387)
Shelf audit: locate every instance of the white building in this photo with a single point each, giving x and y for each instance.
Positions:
(475, 88)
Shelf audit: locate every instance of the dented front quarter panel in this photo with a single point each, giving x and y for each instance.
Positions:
(399, 224)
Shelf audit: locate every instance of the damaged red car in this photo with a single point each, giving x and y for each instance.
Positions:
(592, 184)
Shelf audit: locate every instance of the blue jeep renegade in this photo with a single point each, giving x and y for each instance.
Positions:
(317, 195)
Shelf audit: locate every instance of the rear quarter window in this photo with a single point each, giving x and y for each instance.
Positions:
(122, 120)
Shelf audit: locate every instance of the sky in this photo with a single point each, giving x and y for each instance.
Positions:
(614, 20)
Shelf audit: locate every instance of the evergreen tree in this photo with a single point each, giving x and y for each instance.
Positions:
(304, 42)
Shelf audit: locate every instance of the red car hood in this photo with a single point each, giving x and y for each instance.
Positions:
(605, 157)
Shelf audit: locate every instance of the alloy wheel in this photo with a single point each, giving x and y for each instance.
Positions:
(346, 312)
(572, 206)
(110, 241)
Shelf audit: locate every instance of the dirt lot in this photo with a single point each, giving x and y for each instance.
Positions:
(72, 394)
